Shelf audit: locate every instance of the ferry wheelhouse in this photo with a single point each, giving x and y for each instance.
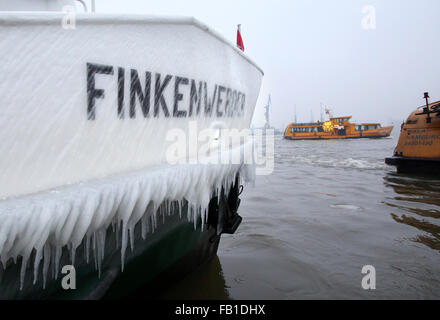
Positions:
(335, 128)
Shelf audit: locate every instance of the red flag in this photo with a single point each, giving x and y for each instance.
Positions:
(239, 39)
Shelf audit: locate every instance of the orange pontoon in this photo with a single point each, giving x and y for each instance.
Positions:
(418, 149)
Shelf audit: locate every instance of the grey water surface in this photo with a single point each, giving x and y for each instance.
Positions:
(328, 209)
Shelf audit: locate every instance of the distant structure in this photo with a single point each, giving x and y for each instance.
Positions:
(322, 115)
(267, 124)
(267, 114)
(296, 118)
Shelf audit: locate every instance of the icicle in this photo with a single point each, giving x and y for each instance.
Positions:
(118, 234)
(194, 216)
(188, 212)
(103, 236)
(38, 256)
(144, 230)
(163, 212)
(46, 263)
(95, 250)
(203, 214)
(154, 218)
(58, 251)
(72, 254)
(100, 243)
(2, 271)
(87, 248)
(23, 271)
(131, 233)
(52, 262)
(123, 245)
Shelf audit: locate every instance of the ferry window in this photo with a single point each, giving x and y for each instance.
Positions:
(320, 129)
(291, 130)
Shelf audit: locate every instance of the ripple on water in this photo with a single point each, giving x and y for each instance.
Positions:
(329, 208)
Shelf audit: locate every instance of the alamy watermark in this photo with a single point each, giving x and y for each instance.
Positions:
(220, 145)
(369, 17)
(369, 280)
(68, 282)
(68, 22)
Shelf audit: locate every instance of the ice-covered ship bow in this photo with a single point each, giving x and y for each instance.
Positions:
(103, 119)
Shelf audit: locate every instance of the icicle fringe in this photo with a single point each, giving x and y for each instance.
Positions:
(47, 222)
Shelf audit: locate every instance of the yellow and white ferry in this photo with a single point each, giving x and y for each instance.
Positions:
(335, 128)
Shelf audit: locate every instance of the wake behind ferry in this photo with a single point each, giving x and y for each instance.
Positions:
(335, 128)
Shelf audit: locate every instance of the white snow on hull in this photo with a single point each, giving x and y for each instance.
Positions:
(47, 139)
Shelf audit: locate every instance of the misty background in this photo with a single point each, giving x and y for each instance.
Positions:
(317, 52)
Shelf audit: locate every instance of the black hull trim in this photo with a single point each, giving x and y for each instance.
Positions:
(414, 165)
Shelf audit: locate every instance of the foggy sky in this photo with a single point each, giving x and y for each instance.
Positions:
(316, 51)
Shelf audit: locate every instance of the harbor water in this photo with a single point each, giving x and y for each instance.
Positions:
(329, 209)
